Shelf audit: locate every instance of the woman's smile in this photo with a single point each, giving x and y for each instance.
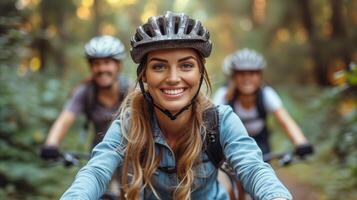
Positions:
(173, 92)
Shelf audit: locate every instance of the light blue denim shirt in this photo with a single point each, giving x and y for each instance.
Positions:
(241, 152)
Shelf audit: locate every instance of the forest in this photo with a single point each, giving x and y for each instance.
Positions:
(310, 47)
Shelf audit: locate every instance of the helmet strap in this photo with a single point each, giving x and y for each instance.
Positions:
(166, 112)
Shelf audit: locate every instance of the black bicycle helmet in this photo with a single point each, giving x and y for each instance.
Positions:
(172, 30)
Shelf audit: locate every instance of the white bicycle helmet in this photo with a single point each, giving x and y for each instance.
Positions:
(105, 46)
(243, 60)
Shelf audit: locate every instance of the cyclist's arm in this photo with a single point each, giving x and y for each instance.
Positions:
(290, 127)
(60, 128)
(73, 107)
(93, 179)
(274, 105)
(245, 157)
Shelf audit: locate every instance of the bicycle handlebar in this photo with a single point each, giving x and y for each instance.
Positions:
(284, 158)
(73, 158)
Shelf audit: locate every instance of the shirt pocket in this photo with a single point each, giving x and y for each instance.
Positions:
(204, 173)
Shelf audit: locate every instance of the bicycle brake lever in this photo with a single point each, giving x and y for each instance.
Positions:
(69, 160)
(286, 159)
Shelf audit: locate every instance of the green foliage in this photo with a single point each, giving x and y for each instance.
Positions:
(338, 139)
(28, 103)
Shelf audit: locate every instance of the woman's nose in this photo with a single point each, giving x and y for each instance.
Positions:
(173, 76)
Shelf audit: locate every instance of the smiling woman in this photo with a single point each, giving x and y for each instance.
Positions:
(159, 136)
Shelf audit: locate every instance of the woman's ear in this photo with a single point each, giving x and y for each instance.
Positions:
(143, 78)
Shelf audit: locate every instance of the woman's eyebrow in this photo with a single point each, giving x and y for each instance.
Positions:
(180, 60)
(186, 58)
(158, 59)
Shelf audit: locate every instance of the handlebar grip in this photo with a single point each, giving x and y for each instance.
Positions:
(286, 159)
(69, 160)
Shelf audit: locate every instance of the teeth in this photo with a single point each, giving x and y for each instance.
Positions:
(173, 92)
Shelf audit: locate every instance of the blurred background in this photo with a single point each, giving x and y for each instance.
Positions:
(310, 46)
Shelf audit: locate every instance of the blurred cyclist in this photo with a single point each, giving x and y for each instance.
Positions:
(252, 100)
(97, 98)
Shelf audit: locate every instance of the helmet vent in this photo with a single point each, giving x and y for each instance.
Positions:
(189, 26)
(176, 22)
(200, 31)
(161, 22)
(148, 30)
(138, 37)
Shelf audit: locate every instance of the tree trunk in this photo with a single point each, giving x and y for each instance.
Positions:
(339, 32)
(97, 18)
(320, 65)
(60, 57)
(41, 43)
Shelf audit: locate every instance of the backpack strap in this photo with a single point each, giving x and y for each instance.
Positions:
(260, 104)
(89, 102)
(123, 87)
(232, 101)
(213, 146)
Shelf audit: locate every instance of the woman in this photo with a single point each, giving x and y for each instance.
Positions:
(158, 138)
(252, 100)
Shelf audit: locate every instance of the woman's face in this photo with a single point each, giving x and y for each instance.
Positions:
(247, 82)
(172, 77)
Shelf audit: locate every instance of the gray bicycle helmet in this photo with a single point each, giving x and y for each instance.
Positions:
(245, 60)
(172, 30)
(105, 46)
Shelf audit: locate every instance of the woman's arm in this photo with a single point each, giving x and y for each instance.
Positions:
(290, 127)
(245, 157)
(92, 180)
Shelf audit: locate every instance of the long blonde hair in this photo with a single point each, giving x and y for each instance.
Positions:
(141, 160)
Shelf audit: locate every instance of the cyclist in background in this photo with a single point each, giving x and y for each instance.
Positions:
(253, 100)
(98, 98)
(159, 138)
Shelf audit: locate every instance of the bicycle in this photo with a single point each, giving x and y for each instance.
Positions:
(69, 159)
(236, 191)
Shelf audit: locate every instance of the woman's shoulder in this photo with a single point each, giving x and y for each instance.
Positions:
(272, 100)
(269, 91)
(226, 114)
(224, 109)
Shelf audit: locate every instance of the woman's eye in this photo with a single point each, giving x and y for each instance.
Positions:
(158, 67)
(187, 66)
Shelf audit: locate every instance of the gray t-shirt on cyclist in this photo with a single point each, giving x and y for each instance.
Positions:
(254, 124)
(83, 101)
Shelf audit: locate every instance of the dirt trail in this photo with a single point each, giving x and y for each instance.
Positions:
(299, 189)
